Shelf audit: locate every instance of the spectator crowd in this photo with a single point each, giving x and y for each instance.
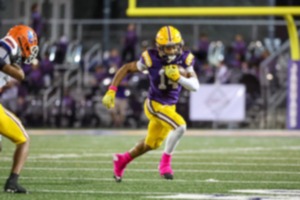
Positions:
(216, 62)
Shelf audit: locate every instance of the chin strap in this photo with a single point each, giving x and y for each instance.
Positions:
(171, 58)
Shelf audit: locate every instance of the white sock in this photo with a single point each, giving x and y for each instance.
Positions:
(173, 139)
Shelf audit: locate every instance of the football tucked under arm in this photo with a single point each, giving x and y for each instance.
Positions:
(183, 72)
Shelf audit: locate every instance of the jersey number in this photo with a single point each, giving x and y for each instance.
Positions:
(163, 82)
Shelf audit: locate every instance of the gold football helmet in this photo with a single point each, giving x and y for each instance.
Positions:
(169, 43)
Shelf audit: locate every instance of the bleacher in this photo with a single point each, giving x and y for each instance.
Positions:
(73, 80)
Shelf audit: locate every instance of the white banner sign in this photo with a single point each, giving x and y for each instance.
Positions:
(218, 103)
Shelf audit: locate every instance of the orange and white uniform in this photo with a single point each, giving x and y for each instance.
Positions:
(10, 126)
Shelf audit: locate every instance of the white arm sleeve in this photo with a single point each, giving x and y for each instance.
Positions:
(192, 83)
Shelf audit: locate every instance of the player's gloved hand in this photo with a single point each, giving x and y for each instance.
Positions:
(109, 99)
(172, 72)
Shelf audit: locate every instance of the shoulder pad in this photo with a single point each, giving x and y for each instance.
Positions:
(10, 45)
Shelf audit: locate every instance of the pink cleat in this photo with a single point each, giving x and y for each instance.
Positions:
(120, 161)
(164, 167)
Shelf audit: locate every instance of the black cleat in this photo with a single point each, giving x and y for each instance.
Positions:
(168, 176)
(11, 187)
(118, 179)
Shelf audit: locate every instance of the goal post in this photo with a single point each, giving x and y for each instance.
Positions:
(293, 98)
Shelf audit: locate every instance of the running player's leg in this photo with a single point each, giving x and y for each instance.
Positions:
(171, 119)
(12, 128)
(155, 136)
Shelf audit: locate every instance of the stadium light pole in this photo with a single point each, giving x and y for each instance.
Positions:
(293, 99)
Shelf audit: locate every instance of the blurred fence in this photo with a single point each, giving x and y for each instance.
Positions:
(92, 30)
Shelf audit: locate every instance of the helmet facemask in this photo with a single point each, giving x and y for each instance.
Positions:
(34, 53)
(169, 52)
(29, 52)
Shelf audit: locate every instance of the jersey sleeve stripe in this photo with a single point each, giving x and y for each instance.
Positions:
(147, 59)
(10, 42)
(189, 59)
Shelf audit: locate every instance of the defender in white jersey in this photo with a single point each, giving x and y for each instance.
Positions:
(19, 45)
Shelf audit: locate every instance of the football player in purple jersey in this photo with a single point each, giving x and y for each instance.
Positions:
(163, 65)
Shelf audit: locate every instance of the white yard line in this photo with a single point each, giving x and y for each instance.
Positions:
(8, 159)
(154, 170)
(184, 157)
(99, 192)
(223, 197)
(28, 178)
(174, 195)
(239, 150)
(149, 156)
(272, 192)
(194, 132)
(186, 151)
(275, 194)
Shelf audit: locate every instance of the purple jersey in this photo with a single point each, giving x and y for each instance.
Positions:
(162, 89)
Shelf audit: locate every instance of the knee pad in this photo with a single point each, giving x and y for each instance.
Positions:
(180, 130)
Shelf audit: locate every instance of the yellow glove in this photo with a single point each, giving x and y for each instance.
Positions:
(172, 72)
(109, 99)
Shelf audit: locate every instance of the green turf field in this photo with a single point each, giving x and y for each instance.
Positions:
(79, 167)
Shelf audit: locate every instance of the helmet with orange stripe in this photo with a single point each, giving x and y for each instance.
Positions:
(169, 43)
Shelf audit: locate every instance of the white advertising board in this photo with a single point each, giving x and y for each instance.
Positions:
(218, 103)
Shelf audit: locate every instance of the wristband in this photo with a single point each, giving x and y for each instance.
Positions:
(114, 88)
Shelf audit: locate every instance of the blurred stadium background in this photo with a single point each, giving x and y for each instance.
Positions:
(83, 43)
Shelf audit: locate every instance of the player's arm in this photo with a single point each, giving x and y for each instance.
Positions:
(109, 97)
(122, 72)
(190, 82)
(12, 70)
